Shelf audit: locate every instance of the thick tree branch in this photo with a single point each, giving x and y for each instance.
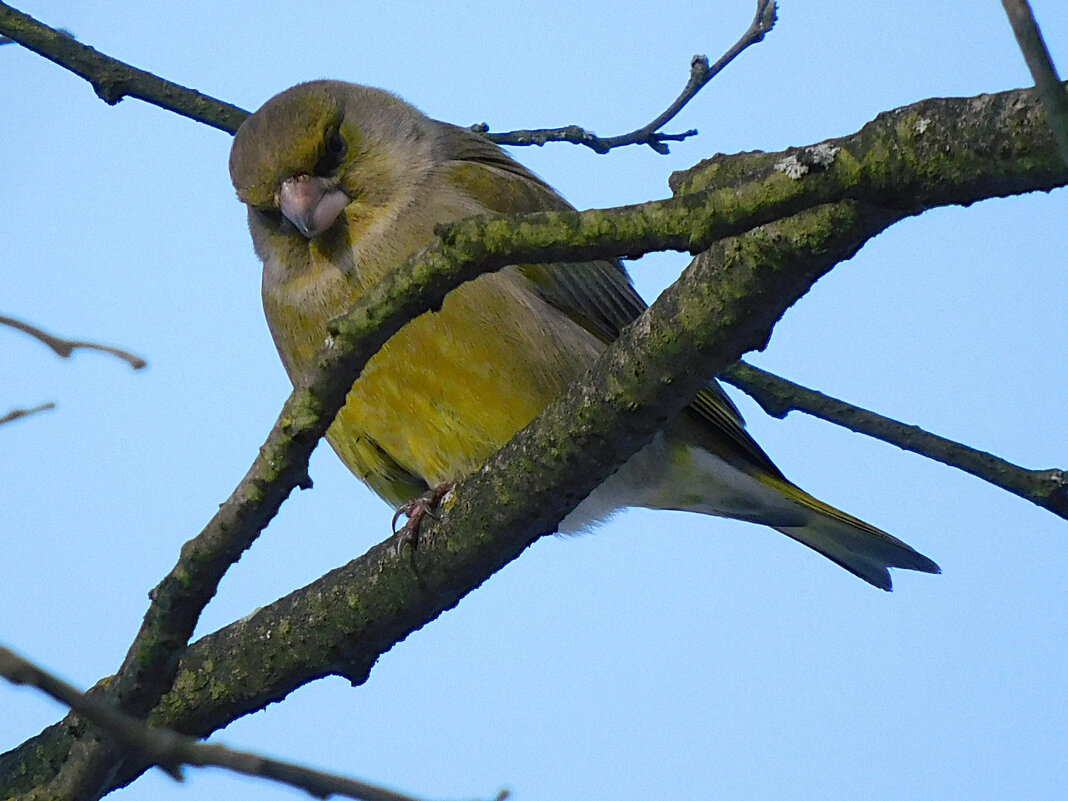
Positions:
(64, 348)
(1036, 54)
(170, 751)
(700, 74)
(778, 397)
(112, 80)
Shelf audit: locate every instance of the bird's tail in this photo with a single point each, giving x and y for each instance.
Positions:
(860, 548)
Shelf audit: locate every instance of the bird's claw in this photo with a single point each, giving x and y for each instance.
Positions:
(418, 508)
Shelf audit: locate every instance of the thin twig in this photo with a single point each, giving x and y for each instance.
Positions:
(700, 74)
(778, 397)
(112, 80)
(1036, 54)
(170, 750)
(65, 347)
(16, 414)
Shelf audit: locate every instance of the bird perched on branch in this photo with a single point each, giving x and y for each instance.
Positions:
(343, 184)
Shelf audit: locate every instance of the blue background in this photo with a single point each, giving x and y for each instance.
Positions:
(669, 655)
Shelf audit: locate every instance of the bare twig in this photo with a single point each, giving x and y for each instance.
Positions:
(113, 80)
(170, 750)
(1049, 86)
(700, 74)
(65, 347)
(778, 397)
(16, 414)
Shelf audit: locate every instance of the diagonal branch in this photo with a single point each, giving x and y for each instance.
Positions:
(112, 79)
(64, 348)
(170, 751)
(778, 397)
(700, 74)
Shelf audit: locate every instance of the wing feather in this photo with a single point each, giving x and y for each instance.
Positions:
(597, 295)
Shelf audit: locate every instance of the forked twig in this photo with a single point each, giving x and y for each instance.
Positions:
(113, 80)
(700, 74)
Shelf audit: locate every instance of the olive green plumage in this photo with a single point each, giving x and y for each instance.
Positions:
(343, 184)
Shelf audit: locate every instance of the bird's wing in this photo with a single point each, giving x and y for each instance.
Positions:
(598, 295)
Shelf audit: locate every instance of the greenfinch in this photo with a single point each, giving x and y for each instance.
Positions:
(343, 183)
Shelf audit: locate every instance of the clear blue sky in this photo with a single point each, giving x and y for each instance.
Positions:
(669, 655)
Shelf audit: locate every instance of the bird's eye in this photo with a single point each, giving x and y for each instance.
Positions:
(333, 153)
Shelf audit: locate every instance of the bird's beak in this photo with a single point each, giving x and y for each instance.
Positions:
(310, 203)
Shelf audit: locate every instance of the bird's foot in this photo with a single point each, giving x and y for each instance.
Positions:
(418, 508)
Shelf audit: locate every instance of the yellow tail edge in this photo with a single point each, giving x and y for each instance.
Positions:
(861, 548)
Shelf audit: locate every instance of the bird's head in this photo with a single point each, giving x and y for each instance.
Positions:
(323, 151)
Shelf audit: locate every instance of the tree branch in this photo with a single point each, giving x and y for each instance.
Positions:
(65, 347)
(16, 414)
(1036, 54)
(169, 750)
(778, 397)
(700, 74)
(112, 80)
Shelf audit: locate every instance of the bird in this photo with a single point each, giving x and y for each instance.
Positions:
(343, 184)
